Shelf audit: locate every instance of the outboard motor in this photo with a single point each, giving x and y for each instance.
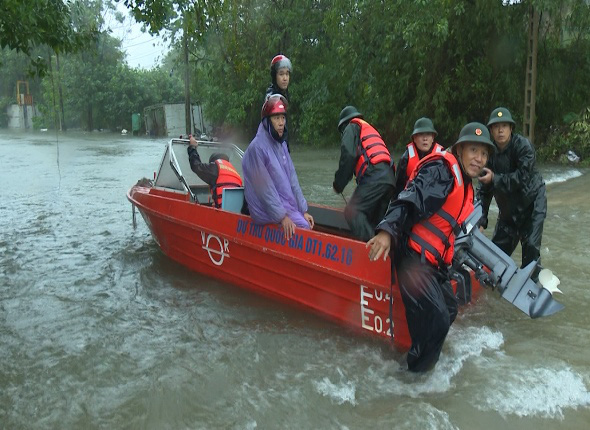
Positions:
(494, 269)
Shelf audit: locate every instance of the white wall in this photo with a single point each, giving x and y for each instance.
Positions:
(175, 120)
(16, 116)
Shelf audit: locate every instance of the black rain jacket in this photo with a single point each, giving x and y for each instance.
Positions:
(401, 174)
(380, 173)
(208, 172)
(516, 181)
(425, 195)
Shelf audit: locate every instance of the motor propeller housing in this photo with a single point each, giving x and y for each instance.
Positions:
(495, 269)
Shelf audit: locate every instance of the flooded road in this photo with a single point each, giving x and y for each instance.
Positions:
(98, 329)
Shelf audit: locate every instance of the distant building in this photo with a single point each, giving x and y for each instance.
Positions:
(169, 120)
(21, 115)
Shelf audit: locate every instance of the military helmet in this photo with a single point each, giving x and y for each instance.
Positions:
(475, 132)
(424, 125)
(348, 113)
(500, 114)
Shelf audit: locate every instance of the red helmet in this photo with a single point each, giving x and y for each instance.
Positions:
(275, 104)
(280, 61)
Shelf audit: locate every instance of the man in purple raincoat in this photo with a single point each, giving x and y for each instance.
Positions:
(271, 186)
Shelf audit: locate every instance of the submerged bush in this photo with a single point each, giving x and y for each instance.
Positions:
(574, 136)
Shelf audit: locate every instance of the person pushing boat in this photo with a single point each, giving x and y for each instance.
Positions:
(418, 232)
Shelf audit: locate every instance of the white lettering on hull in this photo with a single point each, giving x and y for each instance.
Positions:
(370, 320)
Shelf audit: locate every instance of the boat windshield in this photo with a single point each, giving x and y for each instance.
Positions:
(167, 178)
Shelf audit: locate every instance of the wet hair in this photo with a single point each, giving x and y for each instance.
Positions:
(218, 156)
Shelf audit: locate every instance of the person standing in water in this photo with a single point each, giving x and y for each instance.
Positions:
(418, 234)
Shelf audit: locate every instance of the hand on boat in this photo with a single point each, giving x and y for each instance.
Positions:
(309, 219)
(193, 141)
(288, 227)
(379, 245)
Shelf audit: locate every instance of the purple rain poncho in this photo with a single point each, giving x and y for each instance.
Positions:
(271, 186)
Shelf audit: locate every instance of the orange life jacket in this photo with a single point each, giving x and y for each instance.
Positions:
(228, 178)
(372, 150)
(414, 156)
(434, 238)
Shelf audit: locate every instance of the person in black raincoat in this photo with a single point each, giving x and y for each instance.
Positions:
(422, 144)
(513, 180)
(373, 167)
(280, 74)
(419, 238)
(209, 172)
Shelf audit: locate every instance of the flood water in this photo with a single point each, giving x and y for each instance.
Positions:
(98, 329)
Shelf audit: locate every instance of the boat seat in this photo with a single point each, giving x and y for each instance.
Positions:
(232, 199)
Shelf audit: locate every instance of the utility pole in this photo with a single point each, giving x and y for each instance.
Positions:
(187, 95)
(530, 86)
(61, 97)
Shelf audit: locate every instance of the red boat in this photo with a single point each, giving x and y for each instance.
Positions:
(323, 270)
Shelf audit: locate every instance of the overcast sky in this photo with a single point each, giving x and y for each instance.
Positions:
(142, 50)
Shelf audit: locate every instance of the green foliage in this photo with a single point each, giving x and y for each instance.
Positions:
(575, 136)
(25, 25)
(580, 134)
(39, 122)
(14, 67)
(395, 60)
(4, 103)
(101, 92)
(98, 89)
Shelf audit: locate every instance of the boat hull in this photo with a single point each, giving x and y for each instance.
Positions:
(326, 274)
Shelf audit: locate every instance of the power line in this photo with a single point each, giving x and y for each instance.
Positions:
(139, 43)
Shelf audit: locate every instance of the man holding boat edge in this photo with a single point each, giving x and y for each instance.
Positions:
(418, 233)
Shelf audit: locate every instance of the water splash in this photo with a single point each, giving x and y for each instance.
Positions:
(560, 176)
(539, 392)
(462, 345)
(340, 392)
(424, 416)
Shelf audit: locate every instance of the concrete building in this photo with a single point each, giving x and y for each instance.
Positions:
(20, 115)
(169, 120)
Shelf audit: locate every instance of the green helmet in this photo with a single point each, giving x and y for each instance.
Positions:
(475, 132)
(424, 125)
(348, 113)
(500, 114)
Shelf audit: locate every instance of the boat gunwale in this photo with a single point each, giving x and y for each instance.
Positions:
(311, 263)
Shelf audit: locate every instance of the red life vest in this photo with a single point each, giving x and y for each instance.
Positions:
(414, 156)
(434, 238)
(372, 150)
(228, 178)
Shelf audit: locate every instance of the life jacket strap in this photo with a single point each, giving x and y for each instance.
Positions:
(425, 246)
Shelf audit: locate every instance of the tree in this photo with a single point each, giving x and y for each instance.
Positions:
(25, 25)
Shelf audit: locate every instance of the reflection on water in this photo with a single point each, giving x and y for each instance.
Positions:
(101, 330)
